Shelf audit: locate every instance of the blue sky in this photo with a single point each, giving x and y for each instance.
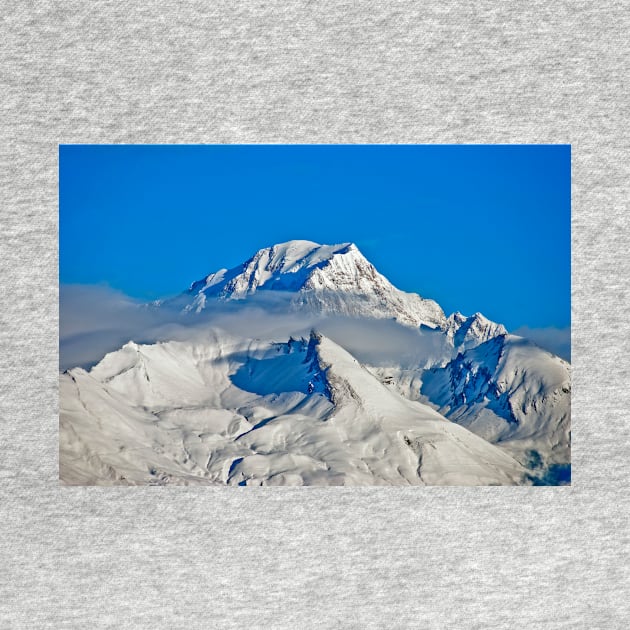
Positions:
(477, 228)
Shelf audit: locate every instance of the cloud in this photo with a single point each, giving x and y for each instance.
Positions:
(556, 340)
(94, 320)
(98, 320)
(382, 342)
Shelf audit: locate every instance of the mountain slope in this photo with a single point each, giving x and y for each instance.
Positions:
(232, 411)
(510, 392)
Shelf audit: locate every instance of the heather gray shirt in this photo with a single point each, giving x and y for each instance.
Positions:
(396, 72)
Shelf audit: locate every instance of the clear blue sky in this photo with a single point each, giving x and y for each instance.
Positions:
(477, 228)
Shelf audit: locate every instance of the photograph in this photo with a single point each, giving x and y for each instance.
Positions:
(315, 315)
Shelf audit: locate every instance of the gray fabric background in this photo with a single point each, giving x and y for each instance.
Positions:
(352, 72)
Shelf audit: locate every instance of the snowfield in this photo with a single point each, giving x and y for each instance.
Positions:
(481, 408)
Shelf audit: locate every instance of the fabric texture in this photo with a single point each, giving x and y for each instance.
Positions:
(301, 72)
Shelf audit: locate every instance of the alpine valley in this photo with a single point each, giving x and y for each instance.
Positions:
(333, 377)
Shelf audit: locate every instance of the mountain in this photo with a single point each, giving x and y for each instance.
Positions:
(510, 392)
(239, 412)
(468, 332)
(388, 390)
(334, 279)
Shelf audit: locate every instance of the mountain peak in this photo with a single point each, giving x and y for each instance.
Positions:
(281, 267)
(472, 331)
(333, 279)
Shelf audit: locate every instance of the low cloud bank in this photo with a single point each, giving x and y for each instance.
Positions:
(556, 340)
(96, 320)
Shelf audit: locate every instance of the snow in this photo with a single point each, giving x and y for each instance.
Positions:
(510, 392)
(441, 401)
(468, 332)
(230, 411)
(335, 279)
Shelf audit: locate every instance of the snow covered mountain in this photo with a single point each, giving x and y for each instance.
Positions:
(228, 411)
(468, 332)
(333, 279)
(510, 392)
(469, 404)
